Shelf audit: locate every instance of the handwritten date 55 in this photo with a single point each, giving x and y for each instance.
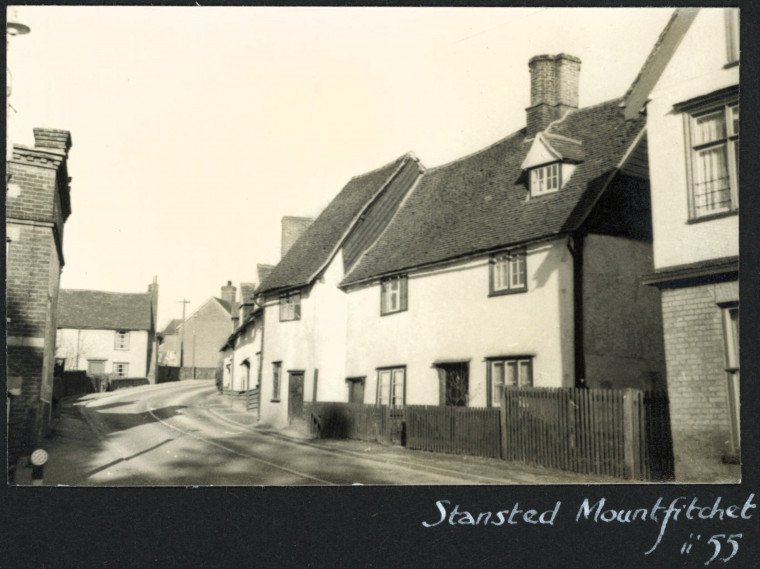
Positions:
(720, 543)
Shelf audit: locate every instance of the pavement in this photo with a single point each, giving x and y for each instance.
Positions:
(74, 439)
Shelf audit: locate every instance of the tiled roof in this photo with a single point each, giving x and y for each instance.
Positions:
(567, 148)
(171, 327)
(246, 292)
(98, 310)
(315, 246)
(264, 271)
(226, 305)
(479, 203)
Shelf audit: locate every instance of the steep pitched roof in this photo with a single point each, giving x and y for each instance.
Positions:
(226, 305)
(246, 292)
(318, 243)
(98, 310)
(171, 327)
(264, 271)
(478, 203)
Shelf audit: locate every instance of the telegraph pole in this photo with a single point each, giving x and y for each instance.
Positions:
(184, 302)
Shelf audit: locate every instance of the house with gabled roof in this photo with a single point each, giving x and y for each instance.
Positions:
(205, 330)
(168, 344)
(519, 264)
(689, 87)
(304, 310)
(107, 334)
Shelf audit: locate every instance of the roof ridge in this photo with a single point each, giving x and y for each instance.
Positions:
(474, 153)
(408, 154)
(101, 291)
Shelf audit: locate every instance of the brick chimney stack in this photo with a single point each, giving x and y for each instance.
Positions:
(229, 293)
(153, 290)
(553, 89)
(52, 138)
(292, 228)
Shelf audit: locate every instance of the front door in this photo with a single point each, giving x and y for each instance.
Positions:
(295, 395)
(456, 384)
(356, 390)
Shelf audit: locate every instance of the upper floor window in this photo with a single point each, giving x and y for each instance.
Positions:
(290, 306)
(732, 34)
(393, 295)
(508, 272)
(714, 160)
(545, 179)
(121, 341)
(120, 369)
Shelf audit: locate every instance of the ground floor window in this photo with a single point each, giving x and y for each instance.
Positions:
(508, 371)
(731, 339)
(355, 389)
(120, 369)
(391, 387)
(276, 376)
(96, 367)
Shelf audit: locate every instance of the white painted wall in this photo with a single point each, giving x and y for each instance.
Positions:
(451, 317)
(78, 346)
(315, 342)
(676, 242)
(247, 347)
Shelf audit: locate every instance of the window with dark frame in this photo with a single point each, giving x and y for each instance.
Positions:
(276, 377)
(714, 158)
(509, 371)
(391, 387)
(290, 306)
(508, 272)
(393, 295)
(121, 340)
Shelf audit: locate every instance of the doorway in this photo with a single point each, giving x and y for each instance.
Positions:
(295, 395)
(454, 383)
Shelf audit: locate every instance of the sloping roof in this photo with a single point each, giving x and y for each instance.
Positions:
(566, 148)
(98, 310)
(664, 48)
(478, 203)
(226, 305)
(171, 327)
(317, 244)
(264, 271)
(246, 292)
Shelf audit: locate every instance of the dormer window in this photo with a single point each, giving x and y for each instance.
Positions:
(545, 179)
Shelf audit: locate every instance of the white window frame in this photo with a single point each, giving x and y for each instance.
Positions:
(120, 369)
(546, 179)
(702, 198)
(121, 340)
(391, 387)
(394, 295)
(508, 272)
(498, 374)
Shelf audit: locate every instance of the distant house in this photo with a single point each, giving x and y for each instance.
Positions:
(242, 350)
(206, 329)
(520, 264)
(37, 205)
(690, 87)
(109, 334)
(168, 344)
(304, 310)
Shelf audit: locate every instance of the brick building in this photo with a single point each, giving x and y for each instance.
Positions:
(37, 206)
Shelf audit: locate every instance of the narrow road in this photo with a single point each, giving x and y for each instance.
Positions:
(164, 435)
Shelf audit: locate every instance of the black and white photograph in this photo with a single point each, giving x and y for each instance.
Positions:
(253, 246)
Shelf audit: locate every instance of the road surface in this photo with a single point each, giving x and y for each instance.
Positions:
(167, 435)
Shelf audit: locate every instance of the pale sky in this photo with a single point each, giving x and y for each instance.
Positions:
(195, 130)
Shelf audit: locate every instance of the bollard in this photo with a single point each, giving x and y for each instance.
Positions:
(38, 459)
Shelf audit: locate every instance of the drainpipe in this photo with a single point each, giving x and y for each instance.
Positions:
(575, 246)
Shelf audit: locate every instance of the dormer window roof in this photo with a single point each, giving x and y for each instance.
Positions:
(551, 161)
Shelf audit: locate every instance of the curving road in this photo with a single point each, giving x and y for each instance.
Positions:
(167, 435)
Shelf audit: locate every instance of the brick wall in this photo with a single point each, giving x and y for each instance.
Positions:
(697, 383)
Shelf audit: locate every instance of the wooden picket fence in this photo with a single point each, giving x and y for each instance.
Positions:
(622, 433)
(455, 430)
(354, 421)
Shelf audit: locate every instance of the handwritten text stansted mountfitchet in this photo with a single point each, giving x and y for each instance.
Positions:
(598, 511)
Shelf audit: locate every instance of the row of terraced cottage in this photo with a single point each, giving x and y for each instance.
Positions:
(596, 247)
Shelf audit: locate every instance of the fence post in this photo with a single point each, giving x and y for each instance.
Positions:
(631, 434)
(503, 421)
